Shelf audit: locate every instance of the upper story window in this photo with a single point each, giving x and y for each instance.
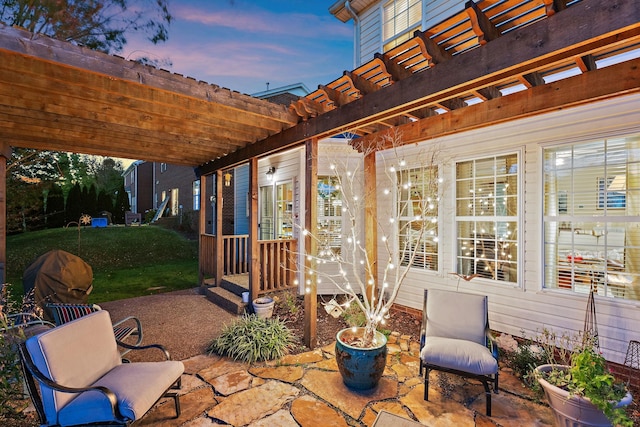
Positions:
(592, 217)
(329, 204)
(487, 217)
(418, 203)
(400, 19)
(163, 167)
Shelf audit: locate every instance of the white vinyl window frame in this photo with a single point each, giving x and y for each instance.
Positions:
(591, 213)
(400, 18)
(487, 217)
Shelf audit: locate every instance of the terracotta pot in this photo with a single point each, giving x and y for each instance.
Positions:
(573, 411)
(361, 368)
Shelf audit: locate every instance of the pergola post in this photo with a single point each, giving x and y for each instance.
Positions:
(370, 218)
(219, 248)
(202, 226)
(253, 249)
(310, 223)
(5, 154)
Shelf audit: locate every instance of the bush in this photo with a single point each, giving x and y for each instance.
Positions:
(11, 384)
(252, 339)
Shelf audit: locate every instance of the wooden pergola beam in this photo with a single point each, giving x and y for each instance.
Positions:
(615, 80)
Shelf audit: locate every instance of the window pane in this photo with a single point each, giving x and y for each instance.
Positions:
(418, 225)
(329, 215)
(486, 217)
(592, 214)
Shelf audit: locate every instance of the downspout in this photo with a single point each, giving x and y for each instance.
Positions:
(356, 34)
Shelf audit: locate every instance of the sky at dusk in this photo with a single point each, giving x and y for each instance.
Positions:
(242, 44)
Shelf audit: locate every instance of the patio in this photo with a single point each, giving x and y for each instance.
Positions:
(303, 388)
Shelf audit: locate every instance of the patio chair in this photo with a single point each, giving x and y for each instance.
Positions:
(122, 329)
(455, 338)
(30, 323)
(82, 379)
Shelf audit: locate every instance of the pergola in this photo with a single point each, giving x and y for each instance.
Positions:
(447, 79)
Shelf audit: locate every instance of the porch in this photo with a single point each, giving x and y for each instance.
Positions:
(224, 270)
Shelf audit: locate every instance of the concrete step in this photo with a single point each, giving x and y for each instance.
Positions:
(226, 299)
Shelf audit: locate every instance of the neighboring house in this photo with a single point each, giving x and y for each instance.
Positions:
(138, 183)
(540, 208)
(148, 184)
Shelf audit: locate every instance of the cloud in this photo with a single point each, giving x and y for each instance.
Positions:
(303, 25)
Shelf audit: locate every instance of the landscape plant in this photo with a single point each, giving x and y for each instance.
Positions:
(405, 228)
(253, 339)
(578, 367)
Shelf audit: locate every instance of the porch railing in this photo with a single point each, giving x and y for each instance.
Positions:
(277, 260)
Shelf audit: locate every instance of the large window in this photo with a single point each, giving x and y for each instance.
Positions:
(329, 214)
(592, 217)
(418, 217)
(487, 217)
(196, 195)
(401, 19)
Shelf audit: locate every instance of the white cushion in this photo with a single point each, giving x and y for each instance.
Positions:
(136, 385)
(75, 354)
(456, 315)
(460, 355)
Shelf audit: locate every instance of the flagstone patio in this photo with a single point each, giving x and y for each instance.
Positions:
(306, 390)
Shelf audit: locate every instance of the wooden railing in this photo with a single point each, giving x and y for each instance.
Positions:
(277, 260)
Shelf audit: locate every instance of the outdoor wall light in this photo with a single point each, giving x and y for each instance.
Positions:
(271, 172)
(227, 179)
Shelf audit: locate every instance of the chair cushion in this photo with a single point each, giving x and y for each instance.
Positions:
(136, 385)
(456, 315)
(75, 354)
(461, 355)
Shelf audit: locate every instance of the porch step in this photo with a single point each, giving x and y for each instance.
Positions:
(228, 300)
(237, 283)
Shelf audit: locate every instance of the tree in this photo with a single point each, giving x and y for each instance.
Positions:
(107, 173)
(97, 24)
(121, 206)
(55, 207)
(74, 204)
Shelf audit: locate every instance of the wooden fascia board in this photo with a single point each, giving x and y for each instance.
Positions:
(16, 40)
(616, 80)
(529, 49)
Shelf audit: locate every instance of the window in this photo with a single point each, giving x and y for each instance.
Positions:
(196, 195)
(163, 167)
(329, 204)
(417, 204)
(487, 217)
(592, 217)
(400, 19)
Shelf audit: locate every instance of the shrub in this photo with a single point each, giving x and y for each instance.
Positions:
(252, 339)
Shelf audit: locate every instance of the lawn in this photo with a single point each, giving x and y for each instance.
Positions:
(126, 261)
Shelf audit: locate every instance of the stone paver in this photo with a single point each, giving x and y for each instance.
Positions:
(251, 405)
(310, 412)
(329, 387)
(307, 389)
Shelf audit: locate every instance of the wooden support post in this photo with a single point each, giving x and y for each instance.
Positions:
(254, 264)
(219, 250)
(310, 246)
(370, 218)
(202, 227)
(5, 154)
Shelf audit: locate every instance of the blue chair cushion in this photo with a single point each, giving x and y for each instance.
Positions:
(460, 355)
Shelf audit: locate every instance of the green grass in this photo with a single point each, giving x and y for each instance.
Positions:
(126, 261)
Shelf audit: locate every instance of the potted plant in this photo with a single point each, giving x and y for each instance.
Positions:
(408, 234)
(578, 385)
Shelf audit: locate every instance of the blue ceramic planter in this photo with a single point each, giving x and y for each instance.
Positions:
(361, 368)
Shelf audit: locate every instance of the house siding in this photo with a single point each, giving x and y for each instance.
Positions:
(180, 177)
(436, 11)
(370, 33)
(527, 306)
